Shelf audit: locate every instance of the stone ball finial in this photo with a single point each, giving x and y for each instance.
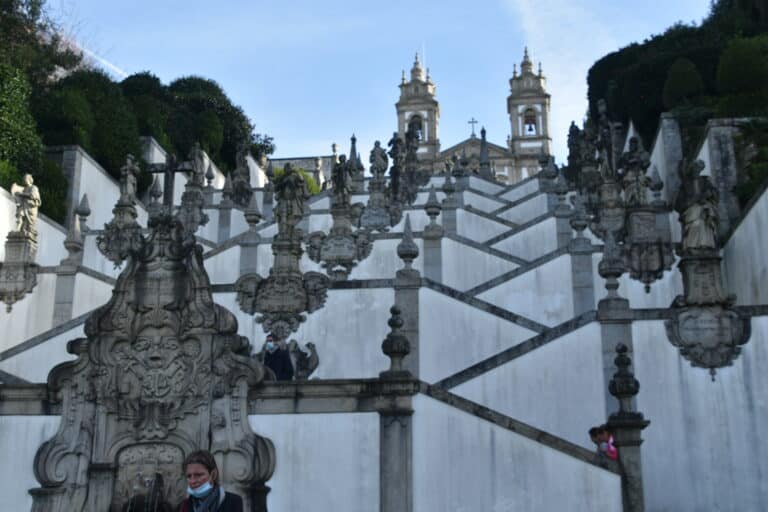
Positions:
(396, 346)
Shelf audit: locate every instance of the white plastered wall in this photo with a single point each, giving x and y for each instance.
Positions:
(481, 202)
(325, 462)
(746, 250)
(465, 267)
(30, 316)
(527, 210)
(453, 336)
(522, 190)
(543, 294)
(34, 363)
(533, 242)
(462, 463)
(484, 186)
(477, 228)
(703, 449)
(20, 437)
(557, 387)
(347, 331)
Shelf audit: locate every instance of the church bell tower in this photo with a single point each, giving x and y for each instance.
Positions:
(528, 109)
(418, 108)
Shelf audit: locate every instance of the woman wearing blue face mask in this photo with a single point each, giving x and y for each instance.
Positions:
(205, 493)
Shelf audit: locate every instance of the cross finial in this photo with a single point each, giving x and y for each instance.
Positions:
(473, 122)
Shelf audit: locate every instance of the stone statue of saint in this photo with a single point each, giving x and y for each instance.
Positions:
(341, 177)
(27, 203)
(378, 159)
(128, 177)
(697, 205)
(291, 192)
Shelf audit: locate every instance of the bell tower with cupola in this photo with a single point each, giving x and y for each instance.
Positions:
(528, 109)
(418, 108)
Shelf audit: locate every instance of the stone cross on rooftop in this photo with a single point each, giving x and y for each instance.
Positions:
(473, 122)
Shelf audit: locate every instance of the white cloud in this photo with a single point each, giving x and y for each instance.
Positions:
(567, 39)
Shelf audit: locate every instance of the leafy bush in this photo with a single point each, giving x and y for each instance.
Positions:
(20, 145)
(312, 185)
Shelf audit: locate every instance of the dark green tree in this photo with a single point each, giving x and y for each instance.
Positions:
(683, 84)
(20, 146)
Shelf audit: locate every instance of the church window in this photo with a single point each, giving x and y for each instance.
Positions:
(529, 122)
(416, 125)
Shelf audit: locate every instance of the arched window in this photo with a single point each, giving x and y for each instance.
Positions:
(415, 124)
(529, 122)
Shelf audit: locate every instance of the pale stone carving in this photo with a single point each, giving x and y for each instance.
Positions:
(283, 298)
(376, 215)
(128, 177)
(705, 327)
(18, 273)
(161, 370)
(304, 363)
(27, 198)
(241, 180)
(341, 249)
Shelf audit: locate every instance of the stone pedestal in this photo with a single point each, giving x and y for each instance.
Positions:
(18, 273)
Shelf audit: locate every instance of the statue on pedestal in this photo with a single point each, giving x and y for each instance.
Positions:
(27, 198)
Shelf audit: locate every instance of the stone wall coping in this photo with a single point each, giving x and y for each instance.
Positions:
(519, 229)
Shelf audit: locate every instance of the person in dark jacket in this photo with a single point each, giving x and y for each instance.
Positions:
(205, 492)
(277, 359)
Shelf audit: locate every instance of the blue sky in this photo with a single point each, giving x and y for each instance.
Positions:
(310, 73)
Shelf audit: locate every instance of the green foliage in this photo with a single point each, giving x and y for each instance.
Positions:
(636, 83)
(53, 191)
(312, 185)
(742, 77)
(150, 102)
(262, 145)
(201, 108)
(65, 117)
(20, 146)
(8, 174)
(752, 152)
(683, 84)
(30, 43)
(108, 133)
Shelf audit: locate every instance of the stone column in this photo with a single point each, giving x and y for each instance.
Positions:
(580, 247)
(563, 213)
(407, 284)
(433, 238)
(225, 212)
(613, 313)
(249, 244)
(627, 426)
(64, 293)
(394, 405)
(449, 206)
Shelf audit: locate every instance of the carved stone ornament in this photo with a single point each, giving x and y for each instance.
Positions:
(161, 373)
(241, 181)
(705, 327)
(283, 298)
(376, 216)
(341, 249)
(121, 235)
(18, 273)
(304, 363)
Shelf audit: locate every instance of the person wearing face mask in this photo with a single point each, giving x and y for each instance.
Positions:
(277, 359)
(205, 492)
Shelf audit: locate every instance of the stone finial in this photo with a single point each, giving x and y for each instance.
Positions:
(448, 187)
(155, 207)
(83, 210)
(432, 206)
(252, 213)
(226, 191)
(74, 240)
(209, 175)
(624, 386)
(407, 250)
(396, 346)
